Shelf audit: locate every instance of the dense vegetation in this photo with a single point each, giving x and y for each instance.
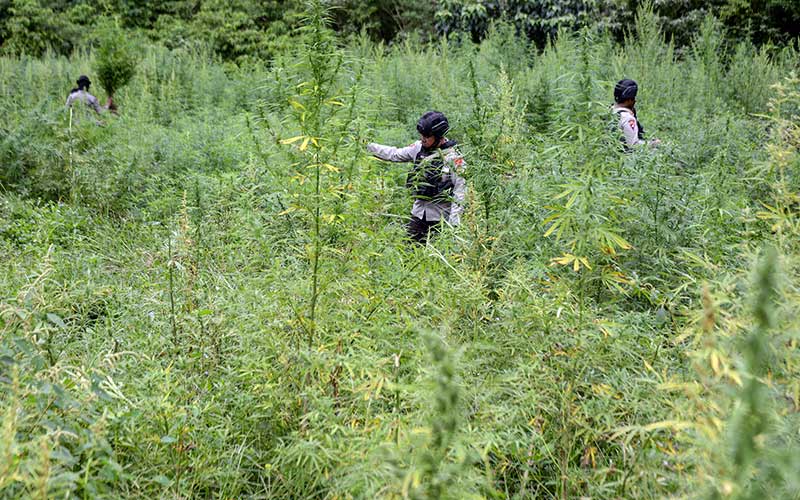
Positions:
(246, 31)
(211, 295)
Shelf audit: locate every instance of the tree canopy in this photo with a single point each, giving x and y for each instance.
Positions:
(243, 30)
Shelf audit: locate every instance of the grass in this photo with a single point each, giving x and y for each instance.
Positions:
(159, 276)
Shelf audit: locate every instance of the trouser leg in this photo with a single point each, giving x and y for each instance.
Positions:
(419, 229)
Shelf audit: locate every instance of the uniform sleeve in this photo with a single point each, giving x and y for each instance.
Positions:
(389, 153)
(93, 102)
(457, 167)
(627, 122)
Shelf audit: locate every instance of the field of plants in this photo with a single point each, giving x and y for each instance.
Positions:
(211, 295)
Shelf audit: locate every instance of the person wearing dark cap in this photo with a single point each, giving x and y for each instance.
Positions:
(434, 180)
(81, 93)
(625, 108)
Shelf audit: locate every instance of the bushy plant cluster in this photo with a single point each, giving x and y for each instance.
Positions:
(116, 61)
(211, 295)
(540, 20)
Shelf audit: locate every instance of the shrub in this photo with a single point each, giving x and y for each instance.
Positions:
(116, 62)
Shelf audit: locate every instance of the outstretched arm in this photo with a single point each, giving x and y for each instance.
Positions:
(111, 105)
(94, 103)
(630, 128)
(390, 153)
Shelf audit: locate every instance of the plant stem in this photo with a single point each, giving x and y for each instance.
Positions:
(315, 256)
(170, 266)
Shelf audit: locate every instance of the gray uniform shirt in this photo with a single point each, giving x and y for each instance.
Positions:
(84, 97)
(449, 211)
(628, 125)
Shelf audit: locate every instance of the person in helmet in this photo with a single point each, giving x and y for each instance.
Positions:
(434, 180)
(625, 108)
(81, 93)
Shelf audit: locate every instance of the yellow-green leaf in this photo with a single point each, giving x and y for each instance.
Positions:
(296, 105)
(552, 228)
(563, 260)
(563, 193)
(571, 200)
(292, 140)
(620, 241)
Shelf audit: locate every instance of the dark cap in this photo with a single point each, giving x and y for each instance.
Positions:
(84, 81)
(624, 90)
(433, 124)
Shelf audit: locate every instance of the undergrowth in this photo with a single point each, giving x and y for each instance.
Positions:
(211, 294)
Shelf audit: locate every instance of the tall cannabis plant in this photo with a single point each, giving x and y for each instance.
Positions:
(314, 110)
(116, 60)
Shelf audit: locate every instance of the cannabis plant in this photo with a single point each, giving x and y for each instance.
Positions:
(116, 61)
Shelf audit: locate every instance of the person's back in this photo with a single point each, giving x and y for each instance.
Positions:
(86, 101)
(84, 97)
(625, 111)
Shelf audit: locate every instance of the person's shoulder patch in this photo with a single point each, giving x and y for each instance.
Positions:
(458, 161)
(632, 124)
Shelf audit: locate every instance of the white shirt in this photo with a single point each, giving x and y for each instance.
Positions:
(628, 125)
(86, 98)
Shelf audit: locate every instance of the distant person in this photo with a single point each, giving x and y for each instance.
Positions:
(625, 107)
(435, 183)
(81, 93)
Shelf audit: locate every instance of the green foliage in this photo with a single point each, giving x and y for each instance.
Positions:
(437, 481)
(749, 454)
(247, 31)
(382, 19)
(539, 20)
(55, 436)
(749, 75)
(211, 296)
(757, 20)
(761, 20)
(31, 28)
(115, 62)
(315, 109)
(242, 30)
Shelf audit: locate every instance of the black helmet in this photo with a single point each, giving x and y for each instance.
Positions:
(83, 81)
(433, 124)
(624, 90)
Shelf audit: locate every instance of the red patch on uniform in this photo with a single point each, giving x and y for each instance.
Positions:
(632, 124)
(458, 161)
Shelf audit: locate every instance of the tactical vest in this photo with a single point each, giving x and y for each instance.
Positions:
(426, 180)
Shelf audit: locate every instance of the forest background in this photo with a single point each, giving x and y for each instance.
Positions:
(210, 295)
(244, 30)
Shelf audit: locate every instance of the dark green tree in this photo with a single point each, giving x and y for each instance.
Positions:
(31, 28)
(383, 19)
(116, 62)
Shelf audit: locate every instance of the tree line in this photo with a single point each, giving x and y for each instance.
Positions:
(251, 30)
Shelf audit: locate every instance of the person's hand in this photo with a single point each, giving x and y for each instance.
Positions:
(110, 105)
